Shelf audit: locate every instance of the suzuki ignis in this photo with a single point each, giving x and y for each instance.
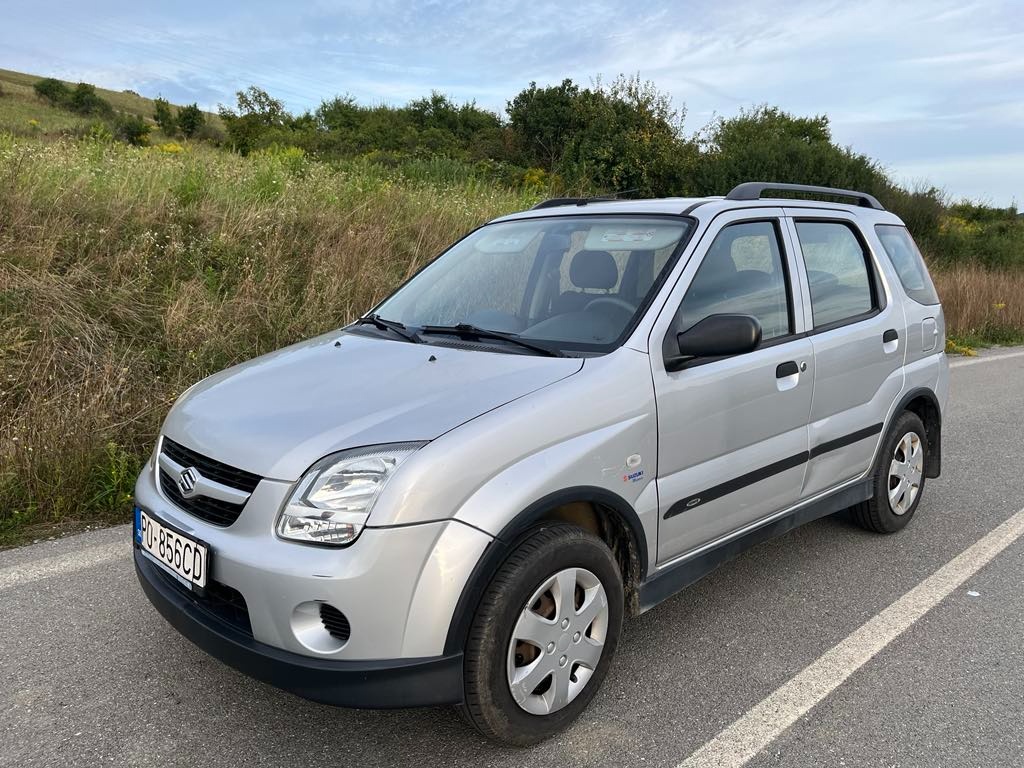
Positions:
(565, 418)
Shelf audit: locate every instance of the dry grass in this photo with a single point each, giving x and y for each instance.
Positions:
(127, 274)
(982, 306)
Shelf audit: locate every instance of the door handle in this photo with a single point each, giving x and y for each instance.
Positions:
(890, 335)
(789, 368)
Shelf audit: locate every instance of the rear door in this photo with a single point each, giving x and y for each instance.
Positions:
(732, 432)
(858, 335)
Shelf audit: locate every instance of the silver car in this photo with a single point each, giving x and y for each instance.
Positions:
(568, 416)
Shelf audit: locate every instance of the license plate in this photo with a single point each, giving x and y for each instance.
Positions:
(183, 556)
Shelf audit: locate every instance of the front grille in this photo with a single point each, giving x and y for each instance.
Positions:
(210, 468)
(214, 511)
(220, 600)
(335, 622)
(211, 510)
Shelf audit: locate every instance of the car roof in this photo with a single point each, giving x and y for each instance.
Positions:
(698, 207)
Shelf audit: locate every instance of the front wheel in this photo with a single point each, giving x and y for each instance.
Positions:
(543, 637)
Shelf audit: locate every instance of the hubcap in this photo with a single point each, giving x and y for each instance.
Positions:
(558, 640)
(905, 473)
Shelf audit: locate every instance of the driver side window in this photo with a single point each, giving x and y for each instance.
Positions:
(742, 273)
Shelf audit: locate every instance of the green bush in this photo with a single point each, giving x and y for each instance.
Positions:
(968, 233)
(85, 101)
(190, 120)
(53, 90)
(131, 129)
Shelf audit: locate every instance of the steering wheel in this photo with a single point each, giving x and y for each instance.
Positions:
(613, 301)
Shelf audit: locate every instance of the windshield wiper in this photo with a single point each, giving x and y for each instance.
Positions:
(389, 325)
(471, 331)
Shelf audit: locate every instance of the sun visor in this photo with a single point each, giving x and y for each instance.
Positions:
(636, 236)
(504, 238)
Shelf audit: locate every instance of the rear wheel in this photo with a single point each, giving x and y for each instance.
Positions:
(898, 477)
(543, 637)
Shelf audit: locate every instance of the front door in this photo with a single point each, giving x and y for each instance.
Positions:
(732, 433)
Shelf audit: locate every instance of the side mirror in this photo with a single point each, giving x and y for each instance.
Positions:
(716, 336)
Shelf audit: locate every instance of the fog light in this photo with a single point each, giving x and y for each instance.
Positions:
(320, 627)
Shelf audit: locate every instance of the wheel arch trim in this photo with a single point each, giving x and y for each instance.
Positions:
(514, 531)
(933, 458)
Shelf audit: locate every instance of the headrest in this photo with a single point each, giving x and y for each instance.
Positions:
(593, 269)
(718, 266)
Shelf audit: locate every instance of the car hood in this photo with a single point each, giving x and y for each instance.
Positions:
(278, 414)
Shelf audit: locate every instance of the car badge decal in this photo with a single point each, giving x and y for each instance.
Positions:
(187, 481)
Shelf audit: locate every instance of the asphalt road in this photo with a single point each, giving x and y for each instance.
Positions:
(91, 675)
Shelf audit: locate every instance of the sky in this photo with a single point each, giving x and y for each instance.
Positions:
(932, 89)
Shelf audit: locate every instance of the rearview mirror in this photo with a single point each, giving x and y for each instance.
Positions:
(716, 336)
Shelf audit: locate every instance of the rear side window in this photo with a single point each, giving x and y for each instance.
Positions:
(837, 271)
(742, 273)
(907, 261)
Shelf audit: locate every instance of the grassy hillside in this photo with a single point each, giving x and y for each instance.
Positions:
(22, 113)
(20, 83)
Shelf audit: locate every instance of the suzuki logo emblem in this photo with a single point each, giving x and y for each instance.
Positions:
(187, 481)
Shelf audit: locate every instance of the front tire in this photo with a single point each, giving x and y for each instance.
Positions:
(543, 636)
(898, 478)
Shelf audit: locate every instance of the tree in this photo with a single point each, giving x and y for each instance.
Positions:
(163, 116)
(445, 127)
(258, 103)
(190, 119)
(541, 121)
(341, 113)
(616, 137)
(628, 136)
(257, 114)
(768, 143)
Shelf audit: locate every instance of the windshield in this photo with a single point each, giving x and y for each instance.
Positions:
(570, 283)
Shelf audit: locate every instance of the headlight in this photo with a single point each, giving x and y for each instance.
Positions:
(332, 501)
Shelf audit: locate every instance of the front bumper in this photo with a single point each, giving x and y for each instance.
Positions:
(398, 587)
(378, 684)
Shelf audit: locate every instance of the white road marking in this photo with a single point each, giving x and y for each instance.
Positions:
(983, 359)
(766, 721)
(34, 570)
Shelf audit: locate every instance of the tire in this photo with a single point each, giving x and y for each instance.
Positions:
(880, 513)
(551, 668)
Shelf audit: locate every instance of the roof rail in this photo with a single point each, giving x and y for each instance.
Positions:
(554, 202)
(754, 190)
